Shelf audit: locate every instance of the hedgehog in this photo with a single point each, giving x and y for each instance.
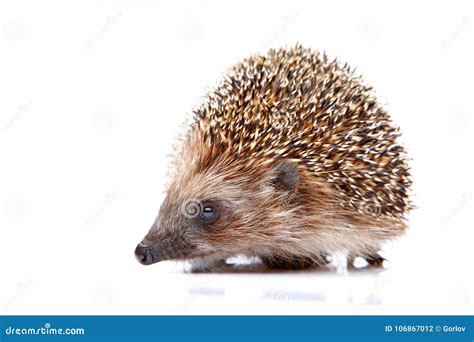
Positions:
(289, 159)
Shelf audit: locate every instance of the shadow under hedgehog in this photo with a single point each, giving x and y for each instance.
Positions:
(289, 159)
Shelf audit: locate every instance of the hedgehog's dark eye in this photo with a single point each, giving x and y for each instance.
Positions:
(208, 213)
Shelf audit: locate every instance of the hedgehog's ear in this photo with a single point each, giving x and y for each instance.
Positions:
(285, 176)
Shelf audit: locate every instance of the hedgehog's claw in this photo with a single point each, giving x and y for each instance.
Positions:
(375, 261)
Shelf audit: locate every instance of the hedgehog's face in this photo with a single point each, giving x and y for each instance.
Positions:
(216, 214)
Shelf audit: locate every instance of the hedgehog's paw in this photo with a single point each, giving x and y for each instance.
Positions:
(369, 261)
(375, 260)
(290, 262)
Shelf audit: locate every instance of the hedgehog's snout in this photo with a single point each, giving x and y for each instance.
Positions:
(146, 254)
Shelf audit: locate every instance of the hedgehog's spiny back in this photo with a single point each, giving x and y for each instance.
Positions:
(295, 104)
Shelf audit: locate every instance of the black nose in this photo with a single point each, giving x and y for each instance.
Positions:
(146, 255)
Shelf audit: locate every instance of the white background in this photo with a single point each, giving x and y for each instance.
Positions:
(92, 95)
